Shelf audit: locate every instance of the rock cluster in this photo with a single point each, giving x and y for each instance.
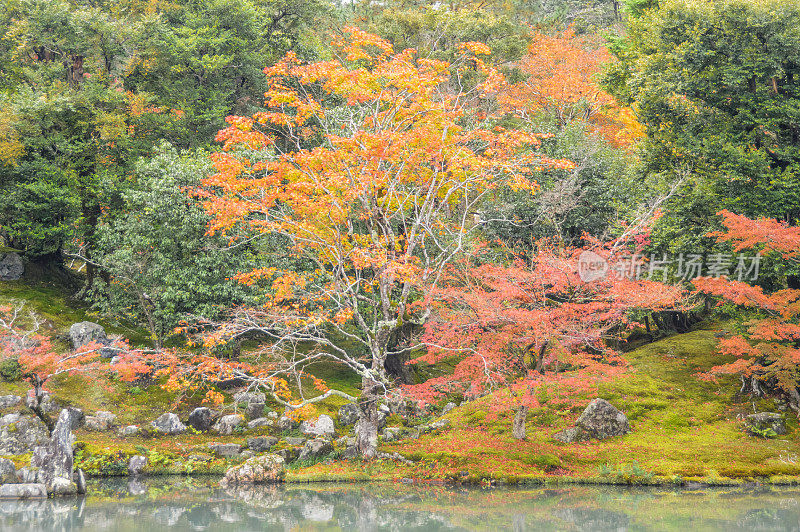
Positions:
(266, 468)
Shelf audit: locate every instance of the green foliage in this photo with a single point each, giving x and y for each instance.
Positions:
(626, 474)
(101, 462)
(162, 267)
(766, 433)
(10, 370)
(716, 86)
(601, 190)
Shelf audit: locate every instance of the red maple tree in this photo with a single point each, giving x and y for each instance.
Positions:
(767, 355)
(533, 324)
(21, 340)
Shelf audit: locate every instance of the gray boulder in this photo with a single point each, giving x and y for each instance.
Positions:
(266, 468)
(136, 465)
(249, 397)
(225, 450)
(23, 491)
(101, 421)
(440, 424)
(130, 430)
(322, 426)
(54, 460)
(27, 475)
(295, 442)
(348, 414)
(227, 424)
(600, 420)
(46, 403)
(11, 267)
(448, 407)
(260, 422)
(254, 410)
(168, 423)
(286, 423)
(759, 424)
(86, 332)
(200, 419)
(315, 449)
(261, 444)
(9, 401)
(392, 433)
(20, 434)
(8, 472)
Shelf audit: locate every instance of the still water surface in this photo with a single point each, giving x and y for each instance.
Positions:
(198, 504)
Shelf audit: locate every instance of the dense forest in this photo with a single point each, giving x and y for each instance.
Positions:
(376, 209)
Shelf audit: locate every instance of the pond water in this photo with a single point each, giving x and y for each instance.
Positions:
(198, 504)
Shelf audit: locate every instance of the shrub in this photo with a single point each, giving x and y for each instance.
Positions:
(10, 370)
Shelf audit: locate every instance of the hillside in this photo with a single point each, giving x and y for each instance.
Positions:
(683, 429)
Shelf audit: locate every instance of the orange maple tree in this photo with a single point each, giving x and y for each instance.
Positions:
(561, 75)
(370, 166)
(767, 355)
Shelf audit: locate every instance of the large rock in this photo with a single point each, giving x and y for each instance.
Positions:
(23, 491)
(168, 423)
(227, 424)
(9, 401)
(86, 332)
(260, 422)
(249, 397)
(8, 472)
(315, 449)
(20, 434)
(136, 465)
(45, 403)
(266, 468)
(762, 423)
(101, 421)
(322, 426)
(348, 414)
(295, 442)
(200, 419)
(448, 407)
(225, 450)
(130, 430)
(54, 460)
(79, 478)
(11, 267)
(392, 433)
(600, 420)
(254, 410)
(286, 423)
(261, 444)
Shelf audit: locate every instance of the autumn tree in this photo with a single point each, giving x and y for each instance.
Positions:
(766, 355)
(561, 80)
(559, 94)
(536, 327)
(370, 167)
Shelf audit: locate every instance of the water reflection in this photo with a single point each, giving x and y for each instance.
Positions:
(198, 504)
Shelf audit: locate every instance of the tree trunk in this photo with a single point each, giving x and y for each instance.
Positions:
(367, 425)
(518, 428)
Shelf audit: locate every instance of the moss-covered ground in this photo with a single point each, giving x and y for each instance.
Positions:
(683, 428)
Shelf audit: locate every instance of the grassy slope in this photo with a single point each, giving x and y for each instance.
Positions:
(682, 427)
